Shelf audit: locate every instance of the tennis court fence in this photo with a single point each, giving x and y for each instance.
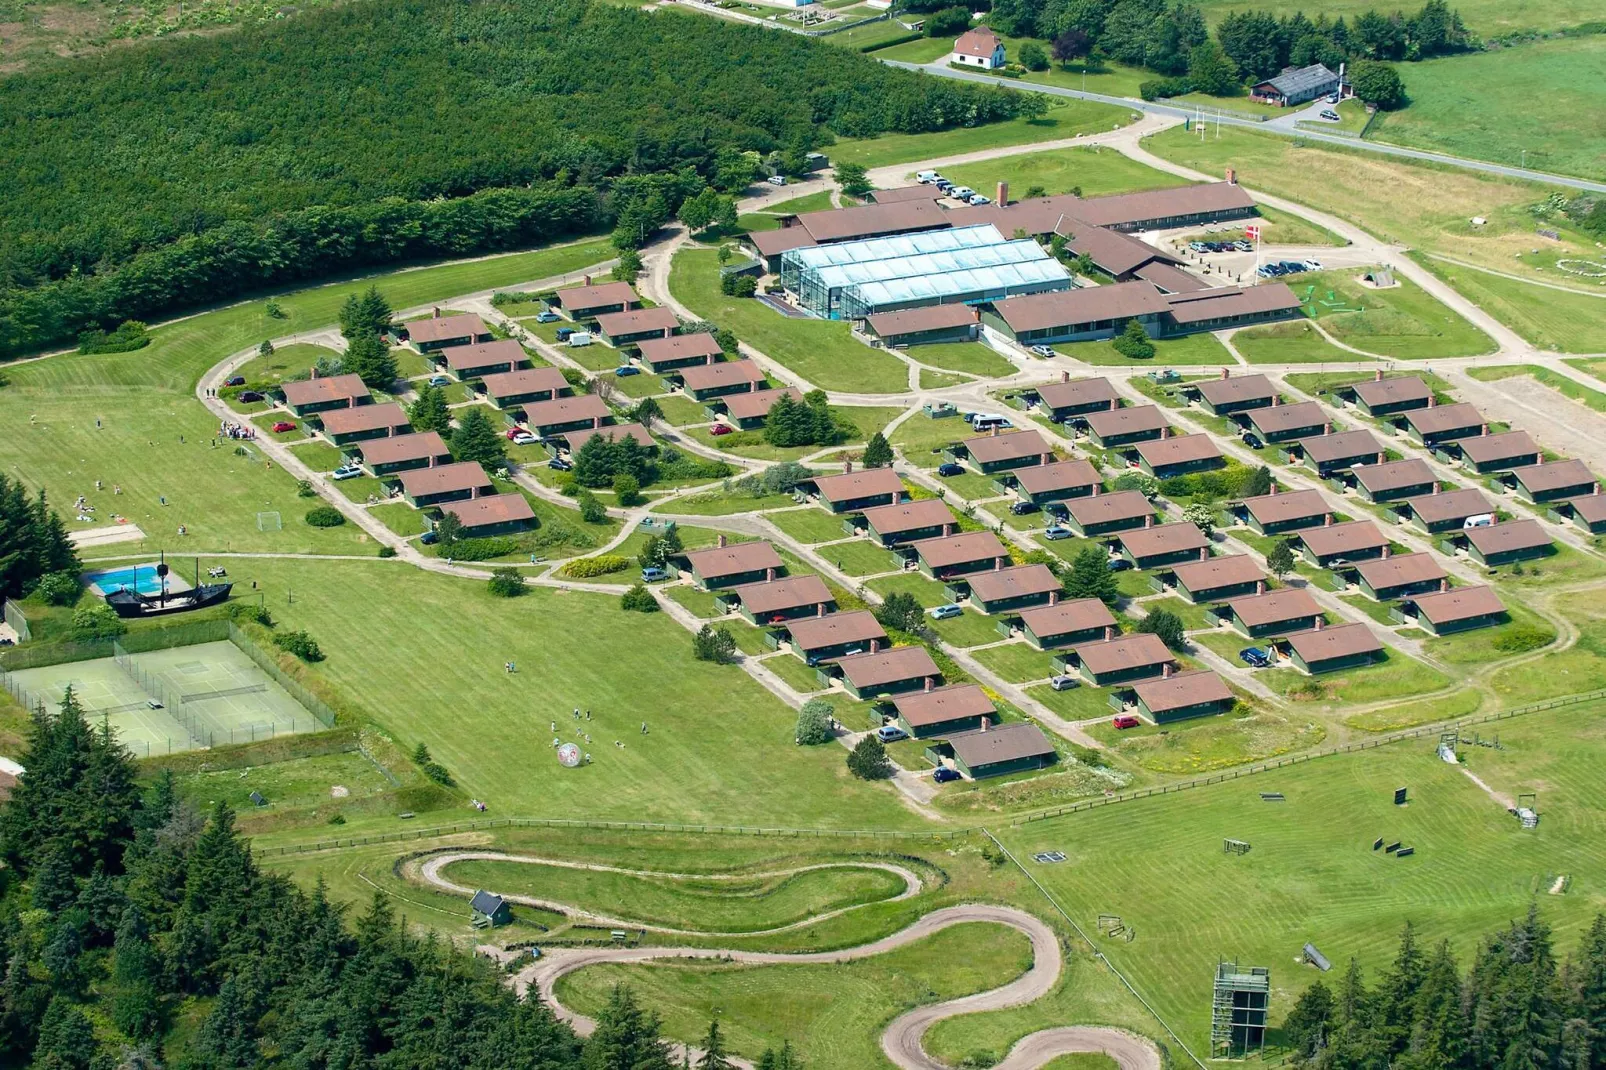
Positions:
(18, 622)
(320, 710)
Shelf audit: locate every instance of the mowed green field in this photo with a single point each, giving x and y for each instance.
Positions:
(425, 658)
(1401, 321)
(1470, 106)
(1558, 320)
(1063, 120)
(1311, 874)
(1096, 171)
(1483, 17)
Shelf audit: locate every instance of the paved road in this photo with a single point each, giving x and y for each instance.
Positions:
(942, 70)
(902, 1041)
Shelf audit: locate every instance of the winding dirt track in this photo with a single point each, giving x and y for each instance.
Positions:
(902, 1040)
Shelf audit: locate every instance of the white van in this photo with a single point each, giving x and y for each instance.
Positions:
(962, 193)
(1481, 520)
(581, 338)
(926, 178)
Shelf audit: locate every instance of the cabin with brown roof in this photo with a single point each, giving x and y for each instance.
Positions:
(924, 326)
(444, 483)
(477, 361)
(1105, 514)
(728, 564)
(1123, 660)
(749, 410)
(912, 521)
(1389, 397)
(1283, 423)
(636, 325)
(399, 453)
(1004, 590)
(854, 492)
(1554, 480)
(779, 601)
(1456, 609)
(1016, 747)
(888, 672)
(942, 710)
(1394, 480)
(493, 514)
(1070, 398)
(950, 556)
(1182, 696)
(1276, 513)
(1588, 512)
(508, 390)
(1126, 427)
(1436, 423)
(1508, 543)
(996, 452)
(588, 301)
(1336, 544)
(1450, 510)
(324, 392)
(1232, 394)
(1287, 609)
(1331, 454)
(705, 381)
(1056, 482)
(835, 635)
(1179, 455)
(1486, 453)
(1163, 544)
(1089, 312)
(576, 440)
(1062, 624)
(1394, 576)
(679, 351)
(561, 415)
(1324, 649)
(1216, 579)
(363, 422)
(978, 47)
(435, 333)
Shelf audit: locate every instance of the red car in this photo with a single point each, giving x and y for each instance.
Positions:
(721, 429)
(1126, 720)
(282, 426)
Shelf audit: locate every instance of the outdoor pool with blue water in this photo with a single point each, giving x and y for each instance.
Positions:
(141, 578)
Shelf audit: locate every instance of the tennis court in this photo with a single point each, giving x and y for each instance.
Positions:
(177, 699)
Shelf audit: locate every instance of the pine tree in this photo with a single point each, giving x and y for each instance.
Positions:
(786, 423)
(596, 463)
(1307, 1026)
(626, 1038)
(713, 1057)
(868, 759)
(646, 411)
(429, 411)
(1398, 992)
(1590, 978)
(66, 1039)
(476, 440)
(1090, 576)
(368, 356)
(1165, 626)
(1258, 483)
(1280, 559)
(362, 314)
(1438, 1038)
(877, 452)
(713, 644)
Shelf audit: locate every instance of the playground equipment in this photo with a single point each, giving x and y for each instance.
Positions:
(1315, 958)
(1112, 926)
(1238, 1010)
(1400, 797)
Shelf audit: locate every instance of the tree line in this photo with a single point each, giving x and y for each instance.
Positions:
(137, 933)
(34, 547)
(155, 177)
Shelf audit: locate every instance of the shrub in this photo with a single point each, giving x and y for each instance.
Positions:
(1033, 58)
(1141, 482)
(430, 767)
(96, 623)
(325, 516)
(585, 567)
(592, 511)
(1133, 342)
(869, 761)
(901, 611)
(60, 588)
(713, 644)
(506, 582)
(949, 22)
(638, 600)
(1165, 626)
(304, 489)
(126, 338)
(1377, 83)
(1523, 638)
(814, 722)
(478, 549)
(241, 612)
(387, 551)
(300, 644)
(627, 488)
(1201, 516)
(1160, 88)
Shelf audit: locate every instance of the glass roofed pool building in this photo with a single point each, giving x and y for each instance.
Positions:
(963, 265)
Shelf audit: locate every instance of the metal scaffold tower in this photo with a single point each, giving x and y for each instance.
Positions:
(1238, 1010)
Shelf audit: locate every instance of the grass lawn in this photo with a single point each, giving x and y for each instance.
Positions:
(970, 629)
(1063, 120)
(1592, 367)
(681, 410)
(1193, 616)
(921, 439)
(399, 517)
(972, 357)
(1396, 676)
(696, 601)
(1077, 704)
(1408, 715)
(1277, 228)
(1292, 342)
(790, 668)
(1463, 105)
(1552, 319)
(284, 362)
(1571, 388)
(860, 557)
(1188, 349)
(867, 35)
(1402, 321)
(721, 503)
(927, 592)
(1094, 76)
(1016, 662)
(296, 787)
(821, 351)
(1311, 874)
(1240, 106)
(1095, 170)
(1205, 744)
(811, 525)
(832, 1013)
(930, 380)
(490, 727)
(809, 202)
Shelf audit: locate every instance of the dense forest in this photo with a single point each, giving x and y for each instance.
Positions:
(360, 134)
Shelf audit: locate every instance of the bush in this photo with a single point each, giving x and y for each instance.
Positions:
(737, 285)
(627, 488)
(1133, 342)
(713, 644)
(506, 582)
(1522, 638)
(96, 623)
(241, 612)
(387, 551)
(125, 339)
(60, 588)
(949, 22)
(901, 611)
(1165, 626)
(638, 600)
(300, 644)
(585, 567)
(869, 761)
(592, 511)
(814, 722)
(1378, 84)
(1141, 482)
(430, 767)
(1033, 58)
(1160, 88)
(325, 516)
(304, 489)
(478, 549)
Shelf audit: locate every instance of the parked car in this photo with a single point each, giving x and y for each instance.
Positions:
(1125, 720)
(950, 469)
(1057, 509)
(776, 180)
(1252, 440)
(520, 437)
(234, 380)
(1022, 508)
(1313, 265)
(1118, 564)
(653, 575)
(547, 316)
(440, 380)
(978, 199)
(558, 464)
(721, 429)
(626, 369)
(945, 774)
(429, 538)
(1042, 351)
(1332, 98)
(563, 333)
(1254, 657)
(1064, 683)
(1056, 532)
(250, 395)
(1197, 246)
(890, 733)
(945, 611)
(1330, 115)
(347, 471)
(962, 193)
(926, 178)
(1243, 246)
(282, 426)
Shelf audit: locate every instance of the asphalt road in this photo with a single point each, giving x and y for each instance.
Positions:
(942, 70)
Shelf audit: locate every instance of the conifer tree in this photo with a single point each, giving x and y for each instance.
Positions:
(476, 440)
(368, 357)
(713, 1057)
(429, 411)
(877, 452)
(1090, 576)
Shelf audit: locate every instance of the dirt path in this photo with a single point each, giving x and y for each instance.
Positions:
(902, 1040)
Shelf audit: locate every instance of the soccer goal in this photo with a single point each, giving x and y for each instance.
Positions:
(269, 522)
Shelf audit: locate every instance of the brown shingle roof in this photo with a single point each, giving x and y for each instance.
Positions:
(1170, 279)
(958, 549)
(865, 483)
(1114, 253)
(1078, 615)
(478, 356)
(607, 293)
(1439, 418)
(566, 410)
(1287, 603)
(362, 418)
(1109, 508)
(1181, 691)
(1392, 475)
(1484, 449)
(1393, 391)
(1385, 572)
(834, 629)
(914, 320)
(325, 388)
(1218, 572)
(905, 193)
(618, 432)
(1554, 475)
(775, 242)
(734, 559)
(444, 478)
(1126, 652)
(943, 704)
(755, 403)
(1165, 539)
(1042, 478)
(441, 328)
(1591, 508)
(887, 666)
(1003, 583)
(1005, 743)
(1178, 449)
(980, 41)
(1223, 301)
(1077, 392)
(725, 373)
(1089, 304)
(525, 381)
(1128, 208)
(1274, 419)
(1458, 603)
(1339, 641)
(789, 593)
(1511, 535)
(1451, 505)
(1327, 448)
(637, 319)
(397, 448)
(845, 224)
(1127, 421)
(908, 516)
(1288, 505)
(1347, 538)
(491, 509)
(1012, 445)
(679, 347)
(1235, 389)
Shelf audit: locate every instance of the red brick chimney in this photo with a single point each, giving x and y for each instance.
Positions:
(1109, 633)
(1444, 584)
(723, 541)
(875, 645)
(993, 431)
(947, 529)
(1320, 622)
(1165, 671)
(1386, 552)
(769, 575)
(1003, 194)
(819, 609)
(1327, 428)
(1204, 553)
(998, 564)
(1435, 486)
(1433, 400)
(1232, 176)
(1276, 399)
(1165, 432)
(1327, 521)
(1596, 490)
(1148, 520)
(1260, 586)
(437, 312)
(1047, 458)
(1053, 598)
(847, 466)
(1226, 373)
(1378, 378)
(930, 683)
(1065, 377)
(587, 278)
(314, 371)
(1095, 493)
(1484, 430)
(984, 724)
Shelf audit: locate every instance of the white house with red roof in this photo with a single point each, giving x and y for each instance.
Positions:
(980, 47)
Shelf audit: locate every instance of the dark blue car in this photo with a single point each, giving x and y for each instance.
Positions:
(1254, 657)
(950, 469)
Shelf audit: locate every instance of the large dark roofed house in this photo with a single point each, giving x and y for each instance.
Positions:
(1295, 86)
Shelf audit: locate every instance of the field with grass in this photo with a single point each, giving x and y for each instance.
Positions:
(1560, 320)
(971, 357)
(1277, 228)
(1292, 342)
(1063, 120)
(1401, 321)
(1095, 170)
(821, 351)
(1188, 349)
(1567, 387)
(1463, 105)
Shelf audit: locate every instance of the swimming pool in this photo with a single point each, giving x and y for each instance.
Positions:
(141, 578)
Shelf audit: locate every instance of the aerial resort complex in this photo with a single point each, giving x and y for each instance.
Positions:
(778, 535)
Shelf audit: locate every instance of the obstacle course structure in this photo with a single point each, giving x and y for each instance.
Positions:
(1238, 1010)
